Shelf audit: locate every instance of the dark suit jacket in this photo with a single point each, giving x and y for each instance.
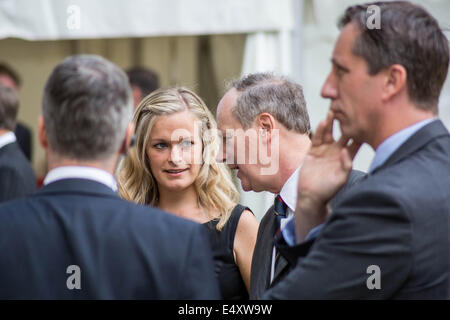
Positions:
(16, 175)
(24, 139)
(123, 250)
(397, 219)
(262, 254)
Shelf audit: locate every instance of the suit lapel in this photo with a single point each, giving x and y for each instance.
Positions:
(261, 262)
(283, 265)
(267, 250)
(268, 246)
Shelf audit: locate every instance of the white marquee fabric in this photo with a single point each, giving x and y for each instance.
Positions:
(83, 19)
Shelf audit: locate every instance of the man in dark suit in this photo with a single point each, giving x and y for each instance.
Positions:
(272, 111)
(75, 238)
(10, 79)
(388, 238)
(143, 81)
(17, 176)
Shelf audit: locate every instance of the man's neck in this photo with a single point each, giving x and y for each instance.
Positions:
(4, 131)
(57, 161)
(293, 149)
(396, 121)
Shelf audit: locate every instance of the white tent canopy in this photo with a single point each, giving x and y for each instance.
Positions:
(85, 19)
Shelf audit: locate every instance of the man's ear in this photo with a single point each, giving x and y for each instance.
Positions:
(395, 81)
(42, 134)
(265, 123)
(129, 138)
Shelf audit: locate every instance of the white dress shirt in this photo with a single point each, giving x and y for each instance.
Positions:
(7, 138)
(289, 195)
(391, 144)
(79, 172)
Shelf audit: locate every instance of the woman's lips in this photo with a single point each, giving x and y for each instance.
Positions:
(175, 172)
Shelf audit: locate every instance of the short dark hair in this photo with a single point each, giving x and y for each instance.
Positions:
(87, 106)
(409, 36)
(145, 79)
(9, 105)
(277, 95)
(6, 69)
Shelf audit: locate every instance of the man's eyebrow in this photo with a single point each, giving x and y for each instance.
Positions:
(337, 64)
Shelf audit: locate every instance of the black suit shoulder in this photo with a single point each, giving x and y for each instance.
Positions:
(18, 178)
(24, 139)
(124, 250)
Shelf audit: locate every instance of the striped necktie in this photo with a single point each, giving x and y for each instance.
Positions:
(280, 210)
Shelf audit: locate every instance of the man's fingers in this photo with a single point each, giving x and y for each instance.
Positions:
(352, 148)
(328, 130)
(324, 131)
(317, 138)
(343, 141)
(346, 160)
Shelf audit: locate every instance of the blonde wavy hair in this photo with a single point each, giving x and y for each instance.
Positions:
(213, 184)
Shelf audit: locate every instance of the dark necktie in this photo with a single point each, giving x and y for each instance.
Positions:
(280, 210)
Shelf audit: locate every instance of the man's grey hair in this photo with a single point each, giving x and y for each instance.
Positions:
(9, 104)
(87, 106)
(276, 95)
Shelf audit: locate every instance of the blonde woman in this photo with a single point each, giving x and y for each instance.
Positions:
(173, 167)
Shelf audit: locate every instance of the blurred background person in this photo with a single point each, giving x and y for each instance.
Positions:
(143, 81)
(173, 167)
(16, 175)
(10, 79)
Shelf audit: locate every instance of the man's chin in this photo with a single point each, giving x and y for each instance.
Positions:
(247, 188)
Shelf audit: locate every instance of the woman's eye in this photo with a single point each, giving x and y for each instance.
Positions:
(186, 143)
(159, 145)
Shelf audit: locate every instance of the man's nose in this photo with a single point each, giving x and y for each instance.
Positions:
(329, 88)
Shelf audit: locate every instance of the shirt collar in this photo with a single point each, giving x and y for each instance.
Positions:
(79, 172)
(289, 190)
(388, 146)
(7, 138)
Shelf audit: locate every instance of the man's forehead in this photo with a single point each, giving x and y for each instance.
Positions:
(344, 43)
(225, 105)
(7, 81)
(227, 101)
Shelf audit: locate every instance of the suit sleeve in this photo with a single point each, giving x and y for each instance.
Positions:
(200, 280)
(367, 229)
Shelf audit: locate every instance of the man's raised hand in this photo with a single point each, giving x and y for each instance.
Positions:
(324, 171)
